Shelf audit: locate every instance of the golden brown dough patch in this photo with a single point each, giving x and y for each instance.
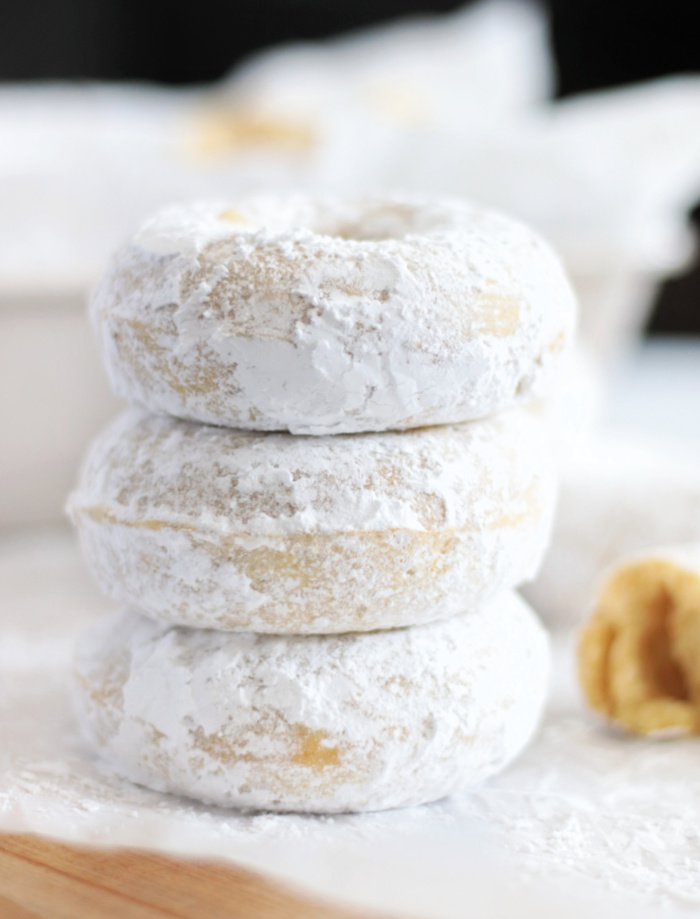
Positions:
(639, 654)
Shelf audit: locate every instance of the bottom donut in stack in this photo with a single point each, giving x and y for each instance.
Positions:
(316, 723)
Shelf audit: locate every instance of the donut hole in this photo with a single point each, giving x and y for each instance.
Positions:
(377, 222)
(359, 221)
(643, 649)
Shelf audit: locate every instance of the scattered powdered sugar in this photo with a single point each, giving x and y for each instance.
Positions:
(622, 811)
(333, 315)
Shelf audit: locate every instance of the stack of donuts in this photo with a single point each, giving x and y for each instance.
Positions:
(316, 511)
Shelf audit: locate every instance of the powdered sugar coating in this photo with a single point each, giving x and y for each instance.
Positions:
(314, 723)
(328, 316)
(216, 528)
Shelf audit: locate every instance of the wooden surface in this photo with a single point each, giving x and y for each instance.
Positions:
(41, 879)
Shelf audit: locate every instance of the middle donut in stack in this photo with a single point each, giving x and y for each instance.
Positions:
(321, 318)
(222, 529)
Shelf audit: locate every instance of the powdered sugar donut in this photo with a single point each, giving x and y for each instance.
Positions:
(322, 723)
(331, 316)
(217, 528)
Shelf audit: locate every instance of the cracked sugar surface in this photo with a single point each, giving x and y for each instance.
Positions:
(330, 316)
(321, 723)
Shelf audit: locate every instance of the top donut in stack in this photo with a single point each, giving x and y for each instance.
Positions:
(316, 317)
(330, 317)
